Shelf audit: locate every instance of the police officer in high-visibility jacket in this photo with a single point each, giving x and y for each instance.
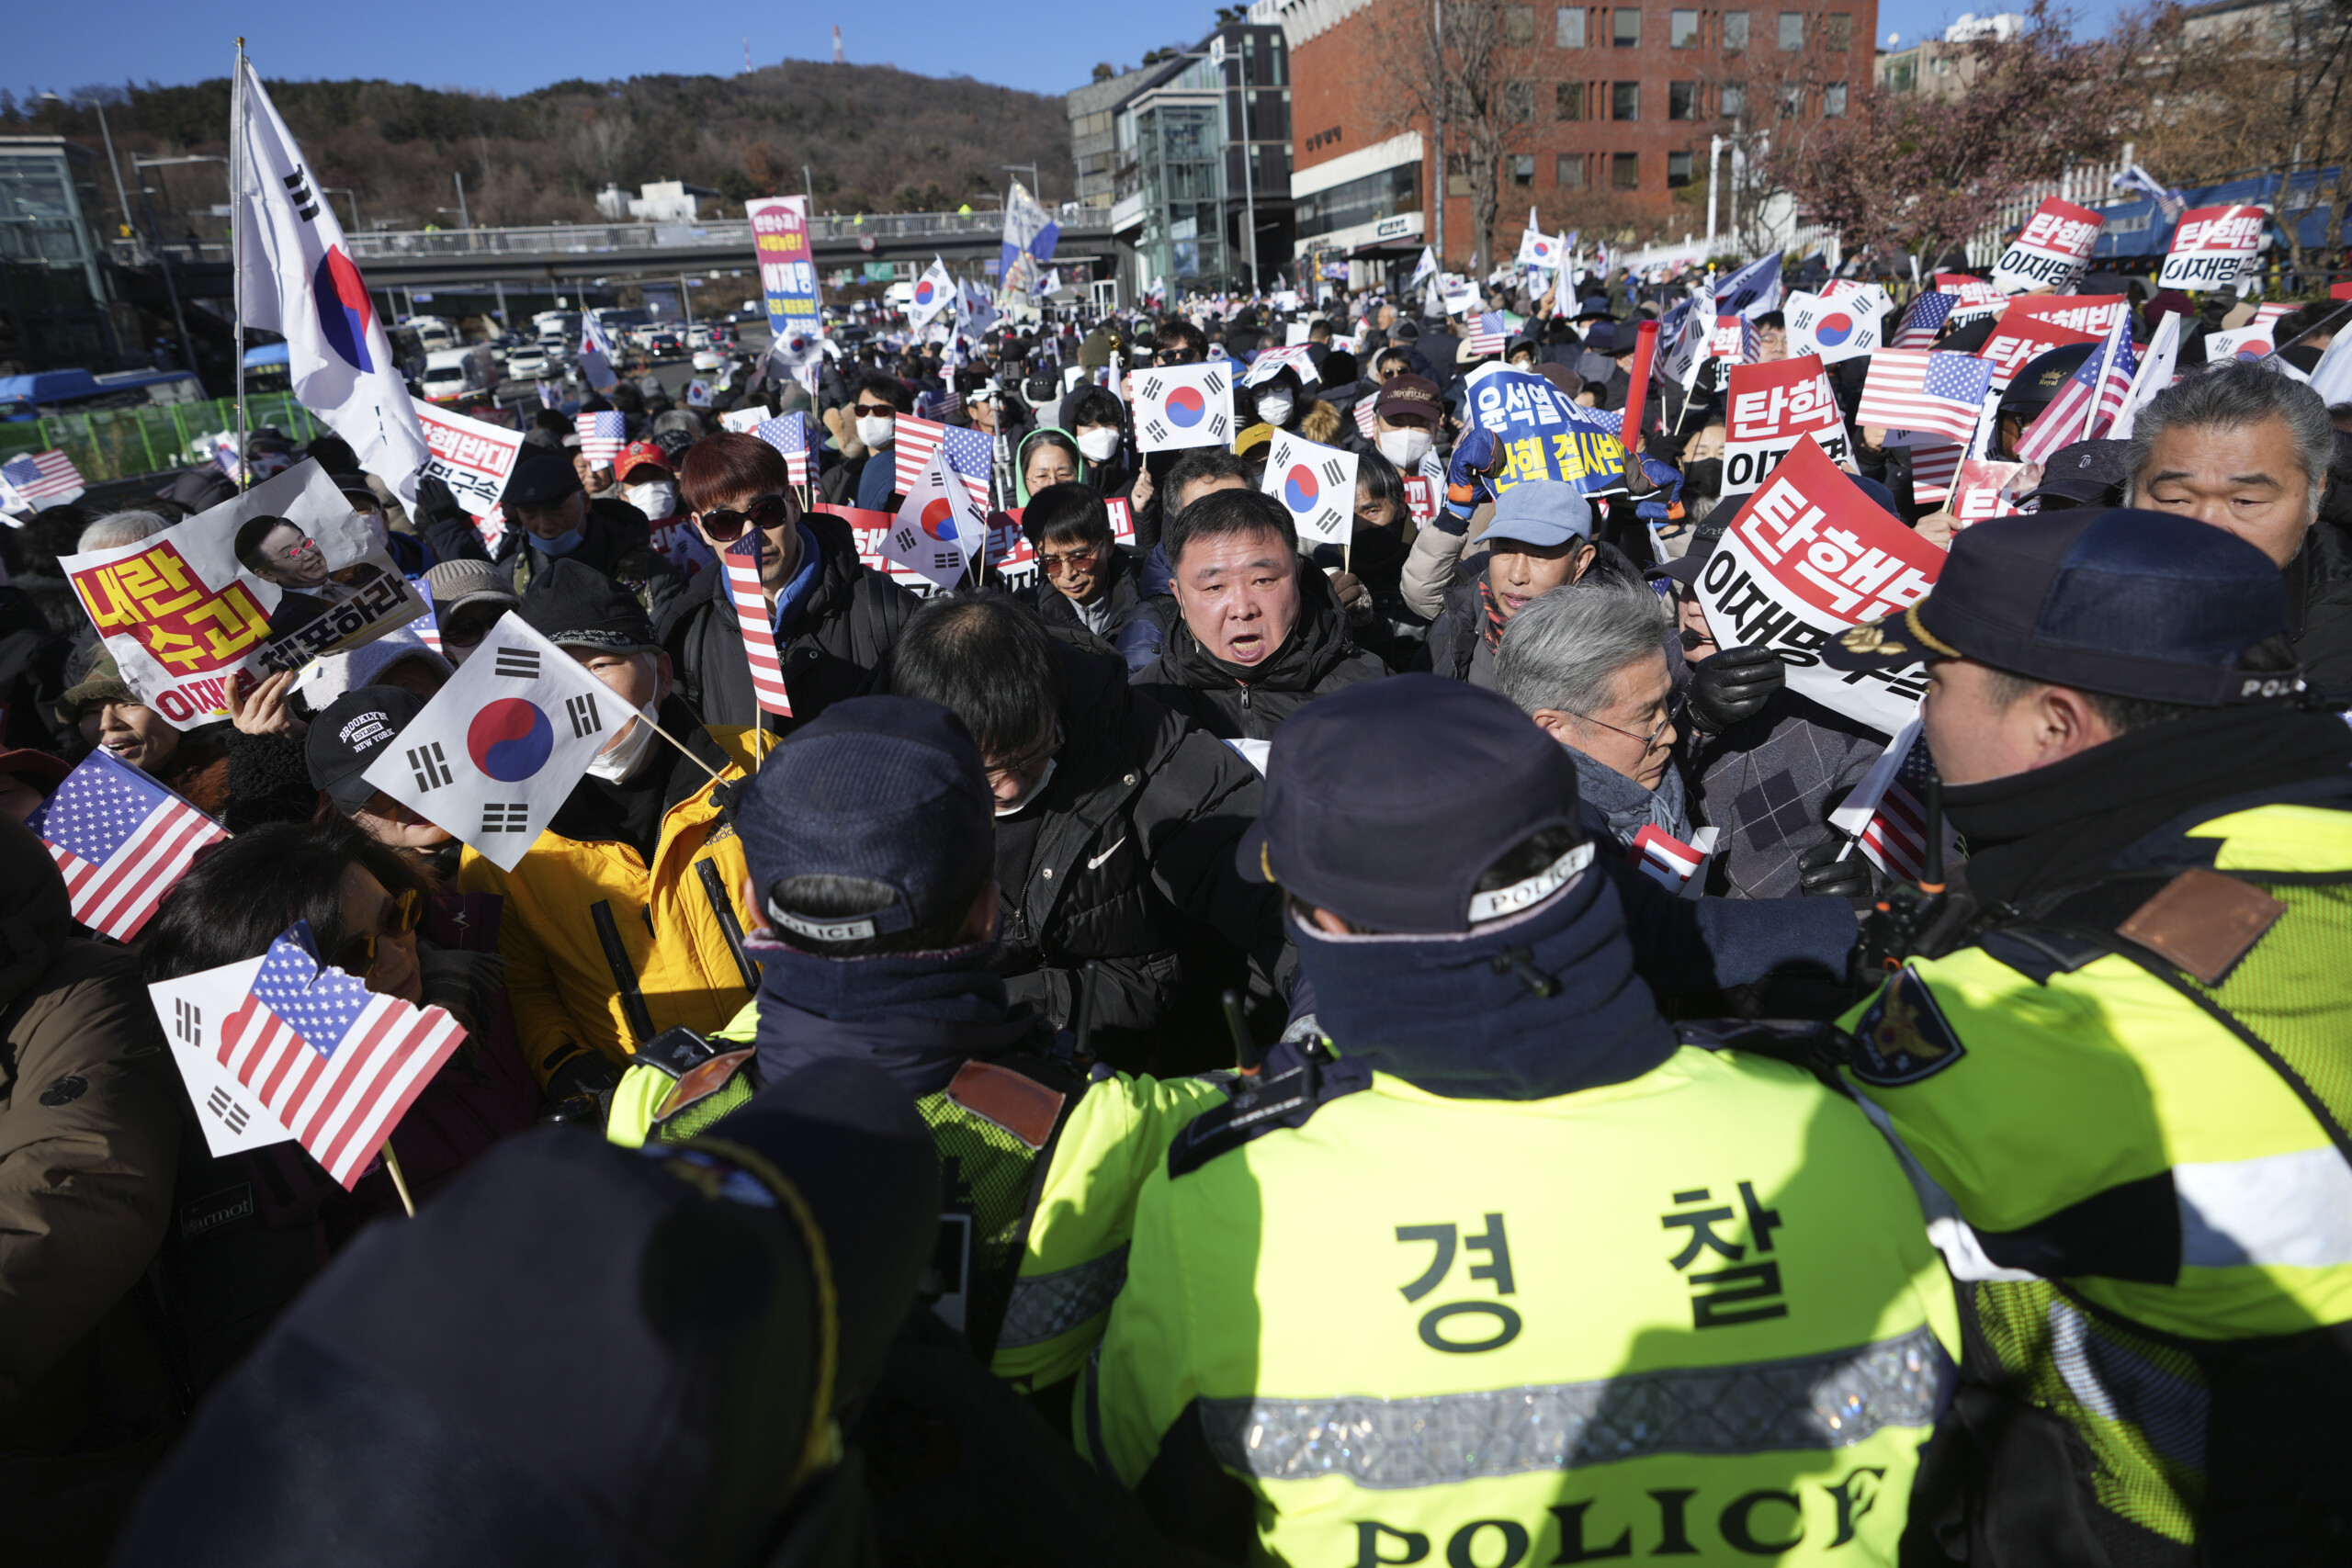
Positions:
(1496, 1272)
(869, 833)
(2122, 1048)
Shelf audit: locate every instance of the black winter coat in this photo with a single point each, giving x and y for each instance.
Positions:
(1132, 864)
(1059, 613)
(851, 619)
(1318, 657)
(2319, 610)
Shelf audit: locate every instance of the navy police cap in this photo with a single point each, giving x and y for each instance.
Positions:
(1388, 801)
(2123, 602)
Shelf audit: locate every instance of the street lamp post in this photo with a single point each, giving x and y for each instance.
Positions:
(340, 190)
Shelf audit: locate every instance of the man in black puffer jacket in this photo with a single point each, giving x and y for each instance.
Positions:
(1115, 824)
(1260, 631)
(834, 619)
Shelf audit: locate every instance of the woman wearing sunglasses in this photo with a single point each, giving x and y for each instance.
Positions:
(833, 619)
(370, 912)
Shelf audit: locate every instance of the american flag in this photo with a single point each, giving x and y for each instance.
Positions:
(970, 454)
(1485, 345)
(794, 434)
(2087, 404)
(1886, 814)
(1492, 322)
(121, 839)
(427, 626)
(742, 561)
(1919, 389)
(1659, 854)
(1364, 414)
(335, 1063)
(1932, 468)
(1920, 321)
(547, 396)
(939, 405)
(42, 479)
(602, 437)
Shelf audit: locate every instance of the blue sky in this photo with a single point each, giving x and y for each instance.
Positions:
(1043, 45)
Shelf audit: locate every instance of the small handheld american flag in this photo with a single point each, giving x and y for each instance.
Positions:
(122, 841)
(743, 563)
(1485, 345)
(1919, 389)
(1886, 813)
(970, 454)
(1365, 415)
(42, 479)
(2088, 402)
(1919, 322)
(794, 435)
(335, 1063)
(602, 437)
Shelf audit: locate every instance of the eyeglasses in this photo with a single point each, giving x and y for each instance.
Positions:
(1030, 763)
(1648, 741)
(357, 956)
(874, 410)
(1075, 562)
(723, 525)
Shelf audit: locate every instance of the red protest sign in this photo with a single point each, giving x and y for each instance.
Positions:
(1983, 489)
(1772, 407)
(2213, 247)
(2030, 327)
(1808, 556)
(2050, 250)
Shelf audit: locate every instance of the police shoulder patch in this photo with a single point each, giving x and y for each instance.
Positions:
(1902, 1037)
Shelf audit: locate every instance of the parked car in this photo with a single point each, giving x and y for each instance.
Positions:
(529, 363)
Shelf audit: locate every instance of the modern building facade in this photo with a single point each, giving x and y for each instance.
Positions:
(1607, 117)
(1192, 155)
(1942, 67)
(53, 289)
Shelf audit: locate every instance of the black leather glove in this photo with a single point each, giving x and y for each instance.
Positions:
(1732, 686)
(1821, 875)
(437, 502)
(580, 1088)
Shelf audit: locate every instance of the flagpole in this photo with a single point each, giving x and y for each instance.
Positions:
(237, 272)
(400, 1179)
(715, 775)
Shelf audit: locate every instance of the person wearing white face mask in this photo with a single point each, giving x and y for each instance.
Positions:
(1097, 422)
(869, 479)
(1405, 419)
(1282, 404)
(651, 484)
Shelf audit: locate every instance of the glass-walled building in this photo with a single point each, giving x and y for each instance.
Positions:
(53, 293)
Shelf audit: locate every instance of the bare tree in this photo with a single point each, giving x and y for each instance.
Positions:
(2266, 91)
(1469, 64)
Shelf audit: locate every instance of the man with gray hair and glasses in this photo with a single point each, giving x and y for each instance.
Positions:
(1587, 662)
(2245, 449)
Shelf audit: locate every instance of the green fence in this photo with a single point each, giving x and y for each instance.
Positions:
(117, 444)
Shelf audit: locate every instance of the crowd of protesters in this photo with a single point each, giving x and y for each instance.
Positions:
(1235, 920)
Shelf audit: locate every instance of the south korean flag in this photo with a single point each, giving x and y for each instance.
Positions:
(1184, 405)
(498, 750)
(939, 527)
(1317, 485)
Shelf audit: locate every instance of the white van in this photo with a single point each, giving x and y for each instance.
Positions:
(449, 374)
(433, 332)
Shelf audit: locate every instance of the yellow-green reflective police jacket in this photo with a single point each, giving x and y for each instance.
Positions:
(2137, 1167)
(1063, 1238)
(1693, 1315)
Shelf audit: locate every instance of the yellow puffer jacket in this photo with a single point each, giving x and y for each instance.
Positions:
(603, 953)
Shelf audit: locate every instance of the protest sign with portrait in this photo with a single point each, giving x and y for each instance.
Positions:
(265, 582)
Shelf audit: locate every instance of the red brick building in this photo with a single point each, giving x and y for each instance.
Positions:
(1612, 109)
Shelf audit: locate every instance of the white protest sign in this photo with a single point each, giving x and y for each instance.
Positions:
(2213, 248)
(192, 1009)
(184, 617)
(1809, 556)
(2049, 251)
(473, 457)
(1182, 405)
(1833, 329)
(499, 748)
(1317, 484)
(1774, 407)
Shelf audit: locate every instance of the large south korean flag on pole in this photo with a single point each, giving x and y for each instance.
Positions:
(495, 754)
(296, 276)
(1182, 405)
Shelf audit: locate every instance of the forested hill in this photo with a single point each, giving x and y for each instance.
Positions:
(874, 139)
